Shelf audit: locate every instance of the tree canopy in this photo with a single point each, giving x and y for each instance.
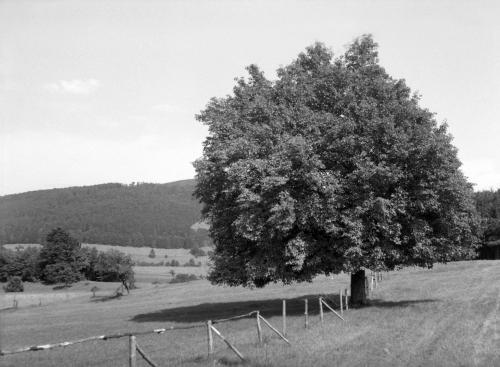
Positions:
(61, 259)
(331, 167)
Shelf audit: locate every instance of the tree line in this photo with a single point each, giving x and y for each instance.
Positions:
(488, 207)
(62, 259)
(150, 215)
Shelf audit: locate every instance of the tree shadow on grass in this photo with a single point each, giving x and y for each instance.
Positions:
(267, 308)
(106, 298)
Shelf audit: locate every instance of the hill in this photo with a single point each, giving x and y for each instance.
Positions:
(156, 215)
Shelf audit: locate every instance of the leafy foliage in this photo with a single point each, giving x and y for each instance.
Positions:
(61, 258)
(197, 252)
(488, 206)
(15, 284)
(128, 215)
(332, 167)
(21, 262)
(61, 272)
(115, 266)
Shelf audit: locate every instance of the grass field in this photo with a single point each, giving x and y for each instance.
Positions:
(447, 316)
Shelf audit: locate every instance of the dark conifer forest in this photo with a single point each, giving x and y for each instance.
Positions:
(156, 215)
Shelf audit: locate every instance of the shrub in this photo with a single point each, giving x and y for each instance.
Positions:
(172, 263)
(152, 254)
(191, 262)
(182, 278)
(94, 289)
(197, 252)
(146, 263)
(15, 284)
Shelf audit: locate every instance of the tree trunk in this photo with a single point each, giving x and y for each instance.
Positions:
(358, 289)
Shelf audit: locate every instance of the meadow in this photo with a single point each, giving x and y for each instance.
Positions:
(445, 316)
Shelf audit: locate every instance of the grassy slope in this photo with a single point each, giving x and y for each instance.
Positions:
(448, 316)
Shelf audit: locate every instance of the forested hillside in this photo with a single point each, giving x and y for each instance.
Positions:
(157, 215)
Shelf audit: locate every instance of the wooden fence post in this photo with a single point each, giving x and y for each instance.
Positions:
(284, 317)
(210, 339)
(132, 360)
(306, 316)
(321, 309)
(259, 329)
(341, 302)
(346, 300)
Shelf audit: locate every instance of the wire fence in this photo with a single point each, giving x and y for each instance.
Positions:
(325, 303)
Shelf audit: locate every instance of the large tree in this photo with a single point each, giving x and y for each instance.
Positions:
(331, 167)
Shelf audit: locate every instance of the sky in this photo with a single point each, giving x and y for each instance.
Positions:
(107, 91)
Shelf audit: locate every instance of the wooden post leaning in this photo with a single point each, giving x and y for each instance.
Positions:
(145, 356)
(210, 339)
(306, 316)
(259, 328)
(321, 309)
(284, 317)
(331, 309)
(232, 347)
(132, 357)
(275, 330)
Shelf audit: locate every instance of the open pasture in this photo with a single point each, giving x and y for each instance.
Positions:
(446, 316)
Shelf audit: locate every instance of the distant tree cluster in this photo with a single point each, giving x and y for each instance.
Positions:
(172, 263)
(488, 206)
(62, 259)
(197, 252)
(182, 278)
(137, 215)
(192, 262)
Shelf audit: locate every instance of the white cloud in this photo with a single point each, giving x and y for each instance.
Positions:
(75, 86)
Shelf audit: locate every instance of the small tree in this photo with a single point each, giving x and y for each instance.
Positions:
(115, 266)
(332, 167)
(197, 252)
(152, 254)
(61, 258)
(14, 284)
(94, 289)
